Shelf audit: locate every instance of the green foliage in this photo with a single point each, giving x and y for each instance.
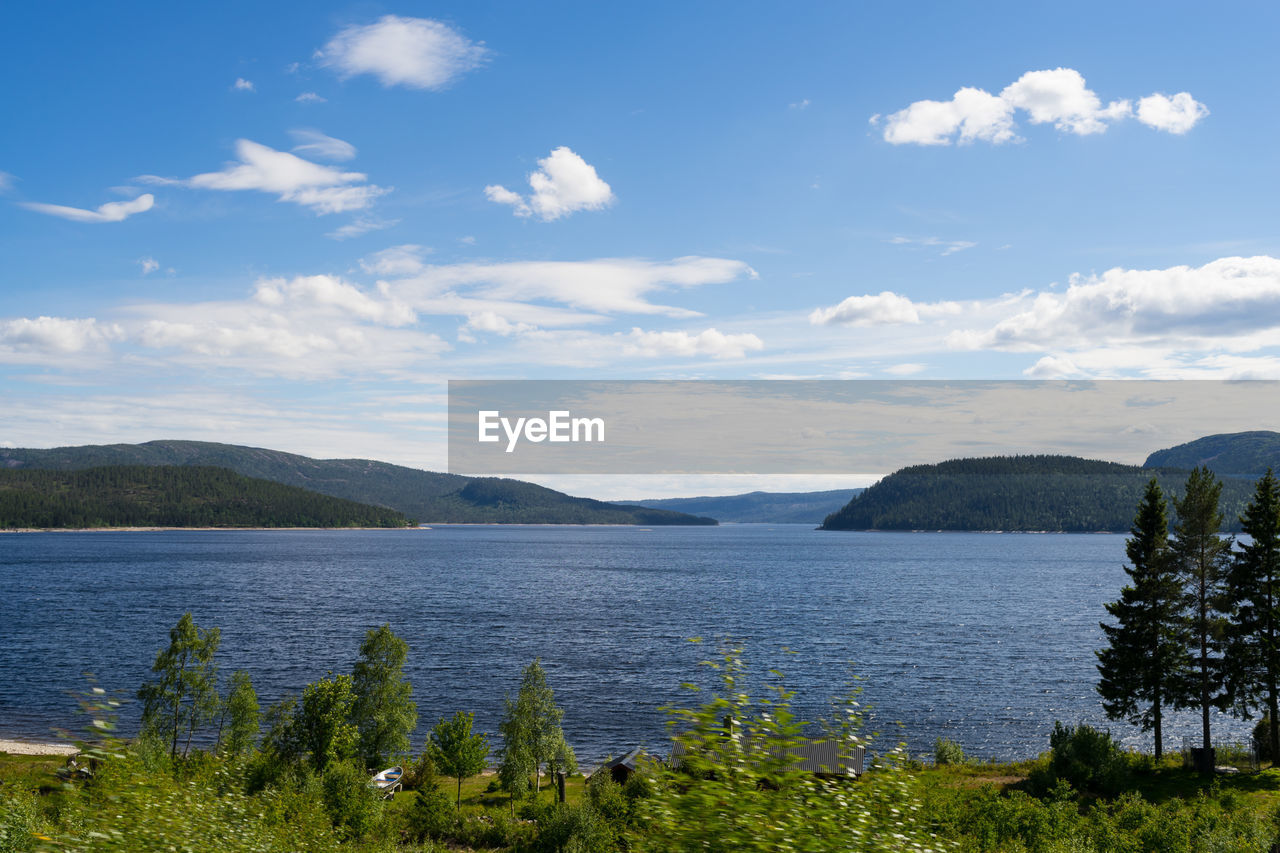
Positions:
(1238, 454)
(457, 752)
(1054, 493)
(316, 727)
(183, 696)
(421, 774)
(531, 734)
(947, 752)
(431, 815)
(738, 789)
(1085, 758)
(1145, 664)
(423, 495)
(580, 828)
(1252, 658)
(171, 496)
(382, 711)
(242, 715)
(354, 807)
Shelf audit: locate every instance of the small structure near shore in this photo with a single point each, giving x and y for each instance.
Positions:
(624, 767)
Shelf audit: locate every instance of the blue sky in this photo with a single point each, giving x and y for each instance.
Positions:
(289, 225)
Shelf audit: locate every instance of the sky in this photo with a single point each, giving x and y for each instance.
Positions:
(289, 225)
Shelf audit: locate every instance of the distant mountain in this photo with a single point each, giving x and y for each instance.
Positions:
(760, 507)
(423, 495)
(1237, 454)
(172, 496)
(1018, 493)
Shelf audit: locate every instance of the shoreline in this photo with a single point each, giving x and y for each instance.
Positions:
(29, 747)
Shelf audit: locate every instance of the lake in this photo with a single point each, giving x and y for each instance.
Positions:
(982, 638)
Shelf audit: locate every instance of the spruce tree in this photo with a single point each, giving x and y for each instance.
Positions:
(1253, 594)
(1146, 658)
(1202, 557)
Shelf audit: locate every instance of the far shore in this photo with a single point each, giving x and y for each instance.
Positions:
(164, 529)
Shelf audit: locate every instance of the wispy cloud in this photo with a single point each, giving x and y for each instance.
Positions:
(149, 265)
(313, 143)
(361, 225)
(243, 85)
(949, 247)
(322, 189)
(310, 98)
(112, 211)
(416, 52)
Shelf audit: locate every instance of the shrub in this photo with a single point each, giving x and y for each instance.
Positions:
(421, 775)
(354, 807)
(1262, 739)
(432, 815)
(947, 752)
(1086, 758)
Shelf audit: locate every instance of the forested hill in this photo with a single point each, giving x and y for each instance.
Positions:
(172, 496)
(1018, 493)
(424, 495)
(1237, 454)
(760, 507)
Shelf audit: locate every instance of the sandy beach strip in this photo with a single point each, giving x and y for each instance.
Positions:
(26, 747)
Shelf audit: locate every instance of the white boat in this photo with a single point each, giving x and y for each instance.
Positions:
(387, 781)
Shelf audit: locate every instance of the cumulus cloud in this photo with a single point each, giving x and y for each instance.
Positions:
(149, 265)
(323, 189)
(396, 261)
(563, 184)
(112, 211)
(310, 98)
(710, 342)
(1174, 115)
(883, 309)
(243, 85)
(416, 52)
(313, 143)
(56, 335)
(1057, 96)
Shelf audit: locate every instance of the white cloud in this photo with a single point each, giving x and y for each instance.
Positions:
(800, 105)
(310, 98)
(243, 85)
(609, 285)
(400, 261)
(973, 113)
(710, 342)
(949, 247)
(1227, 302)
(882, 309)
(55, 335)
(112, 211)
(333, 295)
(1053, 96)
(313, 143)
(906, 369)
(415, 52)
(6, 182)
(564, 184)
(323, 189)
(149, 265)
(489, 321)
(1061, 97)
(1174, 115)
(362, 225)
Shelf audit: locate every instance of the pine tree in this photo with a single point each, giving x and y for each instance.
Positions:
(1201, 556)
(1252, 658)
(1147, 657)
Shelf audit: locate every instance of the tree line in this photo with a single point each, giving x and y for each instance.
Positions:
(345, 725)
(1198, 624)
(1054, 493)
(172, 496)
